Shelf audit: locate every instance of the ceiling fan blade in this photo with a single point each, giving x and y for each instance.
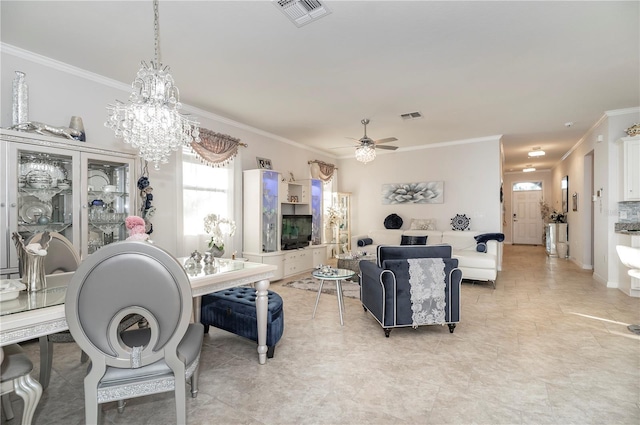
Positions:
(345, 147)
(387, 140)
(388, 148)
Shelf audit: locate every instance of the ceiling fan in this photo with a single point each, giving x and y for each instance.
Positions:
(365, 150)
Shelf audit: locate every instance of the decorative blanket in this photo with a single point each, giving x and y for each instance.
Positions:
(427, 280)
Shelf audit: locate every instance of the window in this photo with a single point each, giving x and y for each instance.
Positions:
(205, 190)
(517, 187)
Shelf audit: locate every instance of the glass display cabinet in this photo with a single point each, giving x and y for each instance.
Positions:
(270, 209)
(52, 184)
(262, 213)
(316, 211)
(343, 203)
(108, 203)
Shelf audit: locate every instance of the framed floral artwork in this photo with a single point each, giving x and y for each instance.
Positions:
(413, 193)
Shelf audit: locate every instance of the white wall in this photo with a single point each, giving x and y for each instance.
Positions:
(607, 177)
(58, 91)
(469, 169)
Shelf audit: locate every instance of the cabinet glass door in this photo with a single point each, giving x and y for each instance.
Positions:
(270, 208)
(107, 189)
(316, 212)
(43, 180)
(344, 228)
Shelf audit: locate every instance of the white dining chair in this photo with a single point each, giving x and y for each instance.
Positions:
(15, 376)
(121, 279)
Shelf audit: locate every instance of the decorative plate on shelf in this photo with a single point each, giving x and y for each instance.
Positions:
(55, 171)
(460, 222)
(30, 211)
(98, 179)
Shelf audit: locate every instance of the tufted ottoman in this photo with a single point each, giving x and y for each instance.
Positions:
(234, 310)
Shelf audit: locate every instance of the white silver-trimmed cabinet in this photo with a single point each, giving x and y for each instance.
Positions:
(266, 197)
(77, 189)
(556, 233)
(261, 211)
(631, 168)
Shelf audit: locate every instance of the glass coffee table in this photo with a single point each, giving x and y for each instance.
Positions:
(352, 262)
(336, 275)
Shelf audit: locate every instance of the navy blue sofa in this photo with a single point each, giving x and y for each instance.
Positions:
(385, 290)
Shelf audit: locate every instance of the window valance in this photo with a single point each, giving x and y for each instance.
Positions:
(216, 149)
(322, 170)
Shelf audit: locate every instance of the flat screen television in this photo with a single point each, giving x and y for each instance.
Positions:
(296, 231)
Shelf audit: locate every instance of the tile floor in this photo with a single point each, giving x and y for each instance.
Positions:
(548, 346)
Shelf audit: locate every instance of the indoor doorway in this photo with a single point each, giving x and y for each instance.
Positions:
(527, 222)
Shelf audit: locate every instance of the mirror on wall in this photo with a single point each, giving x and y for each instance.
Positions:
(565, 194)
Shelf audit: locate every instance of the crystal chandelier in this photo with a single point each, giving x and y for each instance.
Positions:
(365, 153)
(151, 121)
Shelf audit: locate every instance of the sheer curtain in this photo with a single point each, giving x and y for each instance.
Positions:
(205, 190)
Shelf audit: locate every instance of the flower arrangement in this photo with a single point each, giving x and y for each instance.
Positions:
(333, 216)
(218, 228)
(549, 216)
(557, 217)
(136, 228)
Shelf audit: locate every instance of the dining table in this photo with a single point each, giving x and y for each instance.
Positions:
(37, 313)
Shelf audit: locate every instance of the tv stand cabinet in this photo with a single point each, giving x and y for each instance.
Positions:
(266, 197)
(291, 262)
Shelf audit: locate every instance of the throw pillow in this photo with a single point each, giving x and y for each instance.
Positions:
(365, 241)
(413, 240)
(423, 224)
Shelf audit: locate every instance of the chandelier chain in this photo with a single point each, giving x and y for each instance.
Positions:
(156, 31)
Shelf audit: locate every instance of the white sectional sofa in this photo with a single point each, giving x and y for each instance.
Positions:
(474, 265)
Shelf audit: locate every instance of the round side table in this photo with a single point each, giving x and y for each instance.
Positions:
(336, 275)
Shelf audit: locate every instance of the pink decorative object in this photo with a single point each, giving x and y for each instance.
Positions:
(136, 227)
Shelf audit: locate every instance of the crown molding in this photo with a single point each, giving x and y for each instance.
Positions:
(100, 79)
(625, 111)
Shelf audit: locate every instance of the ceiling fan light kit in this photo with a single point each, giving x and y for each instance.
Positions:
(366, 151)
(365, 154)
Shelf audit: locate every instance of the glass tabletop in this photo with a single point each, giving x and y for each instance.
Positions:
(335, 274)
(56, 290)
(221, 266)
(53, 295)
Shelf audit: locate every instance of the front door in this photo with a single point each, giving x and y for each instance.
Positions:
(527, 222)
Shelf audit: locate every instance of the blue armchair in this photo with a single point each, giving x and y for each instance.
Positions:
(412, 286)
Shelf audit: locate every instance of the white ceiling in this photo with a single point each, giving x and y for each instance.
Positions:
(474, 69)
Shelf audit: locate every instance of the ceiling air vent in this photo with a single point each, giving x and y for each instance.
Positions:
(301, 12)
(411, 116)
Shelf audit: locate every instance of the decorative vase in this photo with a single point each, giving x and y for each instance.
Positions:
(196, 256)
(208, 259)
(76, 124)
(216, 252)
(20, 99)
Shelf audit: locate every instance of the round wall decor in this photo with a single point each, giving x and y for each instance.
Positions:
(393, 221)
(460, 222)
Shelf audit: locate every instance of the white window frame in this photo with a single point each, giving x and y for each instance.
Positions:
(191, 241)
